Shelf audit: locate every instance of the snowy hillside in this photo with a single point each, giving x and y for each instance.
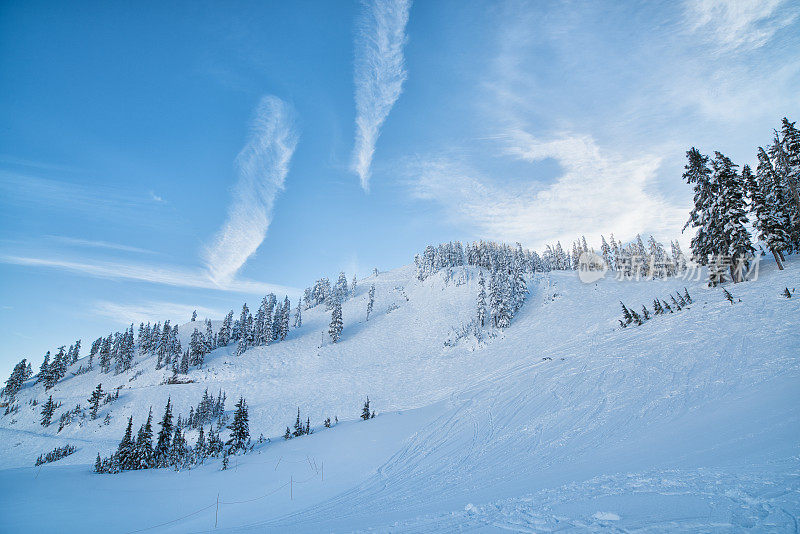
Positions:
(562, 421)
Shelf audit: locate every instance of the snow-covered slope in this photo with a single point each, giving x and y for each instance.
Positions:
(563, 421)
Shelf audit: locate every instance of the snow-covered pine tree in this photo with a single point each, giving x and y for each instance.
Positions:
(340, 290)
(286, 309)
(244, 323)
(194, 315)
(184, 367)
(144, 444)
(164, 348)
(197, 349)
(47, 411)
(179, 451)
(15, 381)
(200, 445)
(126, 450)
(481, 300)
(241, 346)
(766, 203)
(224, 334)
(734, 238)
(298, 314)
(626, 314)
(161, 453)
(365, 412)
(698, 174)
(371, 300)
(240, 428)
(94, 400)
(336, 326)
(44, 369)
(298, 426)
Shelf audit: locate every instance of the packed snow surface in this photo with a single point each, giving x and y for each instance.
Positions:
(562, 422)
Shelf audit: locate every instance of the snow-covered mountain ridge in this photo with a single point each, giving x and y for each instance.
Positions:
(561, 421)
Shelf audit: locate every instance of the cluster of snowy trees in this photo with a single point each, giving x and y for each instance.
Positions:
(323, 293)
(171, 448)
(631, 260)
(51, 372)
(208, 409)
(21, 372)
(660, 307)
(268, 325)
(56, 454)
(332, 297)
(506, 266)
(725, 199)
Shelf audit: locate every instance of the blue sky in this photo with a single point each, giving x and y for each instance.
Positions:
(156, 159)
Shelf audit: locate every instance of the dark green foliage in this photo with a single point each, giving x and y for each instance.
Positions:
(47, 411)
(56, 454)
(365, 414)
(728, 295)
(240, 429)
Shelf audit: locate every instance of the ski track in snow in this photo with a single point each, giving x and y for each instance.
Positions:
(687, 423)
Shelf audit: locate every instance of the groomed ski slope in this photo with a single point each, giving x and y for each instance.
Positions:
(562, 422)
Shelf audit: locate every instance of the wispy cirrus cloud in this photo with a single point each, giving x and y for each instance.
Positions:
(90, 243)
(379, 75)
(151, 311)
(154, 274)
(598, 192)
(738, 24)
(262, 167)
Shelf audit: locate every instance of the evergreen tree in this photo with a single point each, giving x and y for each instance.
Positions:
(702, 216)
(645, 313)
(126, 451)
(94, 400)
(340, 290)
(284, 320)
(184, 369)
(241, 347)
(371, 300)
(240, 429)
(734, 236)
(298, 426)
(47, 411)
(44, 369)
(287, 434)
(200, 445)
(298, 316)
(336, 326)
(161, 453)
(365, 413)
(224, 334)
(194, 315)
(197, 349)
(626, 314)
(481, 300)
(144, 444)
(15, 381)
(766, 203)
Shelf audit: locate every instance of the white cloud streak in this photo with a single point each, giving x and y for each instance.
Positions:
(379, 75)
(98, 244)
(152, 311)
(738, 24)
(598, 193)
(262, 167)
(170, 276)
